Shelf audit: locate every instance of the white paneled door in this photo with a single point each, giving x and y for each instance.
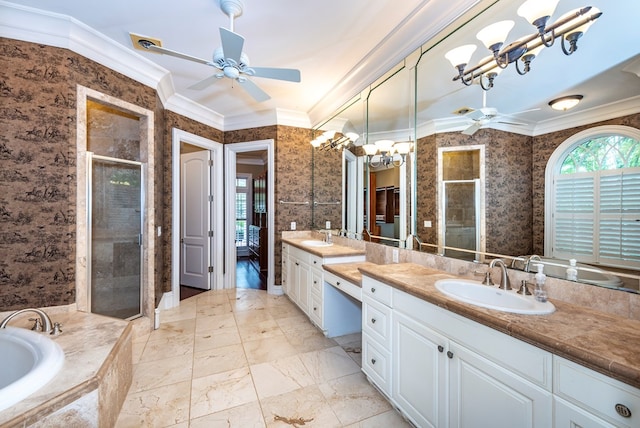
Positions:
(195, 219)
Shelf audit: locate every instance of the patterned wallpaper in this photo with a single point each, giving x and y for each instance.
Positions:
(37, 166)
(507, 192)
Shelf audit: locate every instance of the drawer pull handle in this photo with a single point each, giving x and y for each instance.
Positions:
(373, 320)
(440, 348)
(297, 264)
(623, 410)
(449, 354)
(373, 290)
(373, 361)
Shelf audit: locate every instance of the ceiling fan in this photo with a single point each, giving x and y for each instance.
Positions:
(229, 58)
(485, 115)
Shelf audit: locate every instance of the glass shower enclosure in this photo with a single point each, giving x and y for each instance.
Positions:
(116, 212)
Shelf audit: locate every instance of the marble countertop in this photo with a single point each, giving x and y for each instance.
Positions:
(88, 340)
(603, 342)
(348, 271)
(330, 251)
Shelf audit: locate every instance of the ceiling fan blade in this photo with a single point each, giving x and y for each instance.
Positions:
(472, 129)
(475, 114)
(231, 44)
(157, 49)
(258, 94)
(204, 83)
(288, 74)
(511, 123)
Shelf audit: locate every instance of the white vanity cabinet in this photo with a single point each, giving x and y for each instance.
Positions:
(446, 370)
(303, 280)
(587, 399)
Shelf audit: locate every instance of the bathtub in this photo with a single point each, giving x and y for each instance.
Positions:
(558, 268)
(29, 360)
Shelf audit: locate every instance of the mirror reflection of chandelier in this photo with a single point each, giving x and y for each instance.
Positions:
(386, 153)
(334, 140)
(569, 28)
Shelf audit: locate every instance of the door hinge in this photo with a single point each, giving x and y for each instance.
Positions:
(210, 162)
(210, 269)
(211, 234)
(210, 198)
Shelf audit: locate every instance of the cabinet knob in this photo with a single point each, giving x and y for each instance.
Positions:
(440, 348)
(338, 283)
(623, 410)
(297, 264)
(315, 262)
(449, 354)
(315, 282)
(315, 308)
(373, 361)
(373, 320)
(373, 290)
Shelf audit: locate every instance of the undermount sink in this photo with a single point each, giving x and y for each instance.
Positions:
(475, 293)
(316, 243)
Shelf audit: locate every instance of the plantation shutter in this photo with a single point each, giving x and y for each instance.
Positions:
(574, 217)
(619, 222)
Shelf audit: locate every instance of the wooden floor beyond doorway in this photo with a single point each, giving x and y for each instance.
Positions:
(246, 277)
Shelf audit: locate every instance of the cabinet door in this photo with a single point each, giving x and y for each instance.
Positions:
(294, 279)
(482, 394)
(566, 415)
(419, 372)
(304, 281)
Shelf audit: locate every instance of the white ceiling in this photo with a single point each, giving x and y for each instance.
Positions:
(339, 46)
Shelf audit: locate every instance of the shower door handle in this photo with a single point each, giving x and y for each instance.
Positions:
(139, 239)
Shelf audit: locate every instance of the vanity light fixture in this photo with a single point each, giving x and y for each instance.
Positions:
(334, 140)
(569, 27)
(565, 103)
(383, 152)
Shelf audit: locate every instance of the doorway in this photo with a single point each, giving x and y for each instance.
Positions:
(257, 270)
(197, 233)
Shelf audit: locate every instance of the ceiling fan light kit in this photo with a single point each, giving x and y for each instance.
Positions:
(569, 28)
(229, 58)
(565, 103)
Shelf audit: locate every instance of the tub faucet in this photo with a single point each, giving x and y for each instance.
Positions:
(46, 321)
(505, 284)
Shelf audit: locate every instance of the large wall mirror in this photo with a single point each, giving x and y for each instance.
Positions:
(506, 137)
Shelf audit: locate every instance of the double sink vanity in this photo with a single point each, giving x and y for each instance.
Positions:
(444, 359)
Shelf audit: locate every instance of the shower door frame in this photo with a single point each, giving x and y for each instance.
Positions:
(90, 156)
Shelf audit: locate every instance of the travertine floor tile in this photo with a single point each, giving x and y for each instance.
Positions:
(387, 419)
(269, 349)
(160, 407)
(352, 398)
(328, 364)
(221, 391)
(218, 360)
(156, 373)
(280, 376)
(168, 347)
(258, 331)
(245, 416)
(216, 339)
(306, 404)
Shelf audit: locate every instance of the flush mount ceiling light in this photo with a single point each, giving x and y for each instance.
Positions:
(565, 103)
(569, 28)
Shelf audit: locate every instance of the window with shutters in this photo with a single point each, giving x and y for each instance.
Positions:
(595, 198)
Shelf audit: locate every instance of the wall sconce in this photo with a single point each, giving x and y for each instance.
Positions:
(569, 27)
(565, 103)
(334, 140)
(383, 152)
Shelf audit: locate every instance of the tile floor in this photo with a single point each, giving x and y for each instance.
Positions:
(243, 358)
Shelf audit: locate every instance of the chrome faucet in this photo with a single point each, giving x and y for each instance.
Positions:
(505, 284)
(527, 263)
(44, 318)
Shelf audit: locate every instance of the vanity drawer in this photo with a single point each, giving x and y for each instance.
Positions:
(316, 282)
(377, 290)
(343, 285)
(315, 310)
(376, 364)
(597, 393)
(315, 261)
(376, 321)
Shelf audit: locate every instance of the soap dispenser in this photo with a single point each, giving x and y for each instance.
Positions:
(572, 272)
(540, 292)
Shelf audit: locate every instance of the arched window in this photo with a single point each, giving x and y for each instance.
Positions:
(593, 198)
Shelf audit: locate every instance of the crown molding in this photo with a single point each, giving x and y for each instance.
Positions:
(589, 116)
(52, 29)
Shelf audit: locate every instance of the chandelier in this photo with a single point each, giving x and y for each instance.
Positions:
(334, 140)
(386, 153)
(569, 28)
